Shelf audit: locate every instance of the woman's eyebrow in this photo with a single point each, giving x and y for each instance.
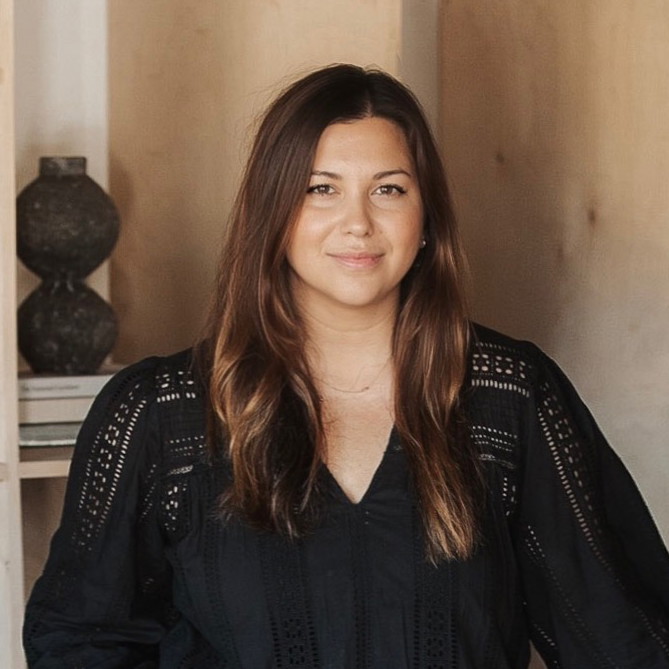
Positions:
(323, 173)
(378, 175)
(390, 173)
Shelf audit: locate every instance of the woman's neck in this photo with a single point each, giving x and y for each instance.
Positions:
(350, 355)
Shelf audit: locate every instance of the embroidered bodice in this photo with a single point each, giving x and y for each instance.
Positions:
(144, 573)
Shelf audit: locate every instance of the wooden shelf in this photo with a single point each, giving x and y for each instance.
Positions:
(44, 469)
(43, 463)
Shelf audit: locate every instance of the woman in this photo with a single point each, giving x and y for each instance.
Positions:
(346, 473)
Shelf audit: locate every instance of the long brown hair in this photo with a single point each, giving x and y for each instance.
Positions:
(264, 405)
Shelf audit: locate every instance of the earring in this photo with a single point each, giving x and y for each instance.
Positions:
(423, 243)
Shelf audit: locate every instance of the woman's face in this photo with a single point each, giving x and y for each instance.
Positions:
(361, 223)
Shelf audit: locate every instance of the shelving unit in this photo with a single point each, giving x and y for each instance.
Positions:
(27, 473)
(54, 103)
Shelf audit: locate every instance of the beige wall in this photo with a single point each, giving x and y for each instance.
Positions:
(186, 80)
(554, 126)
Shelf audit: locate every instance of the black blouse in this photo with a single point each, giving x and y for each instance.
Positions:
(143, 573)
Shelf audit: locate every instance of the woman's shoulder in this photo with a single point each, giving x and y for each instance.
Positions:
(160, 378)
(152, 409)
(162, 391)
(512, 384)
(498, 361)
(177, 377)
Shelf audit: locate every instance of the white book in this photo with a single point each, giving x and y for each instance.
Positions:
(48, 386)
(56, 410)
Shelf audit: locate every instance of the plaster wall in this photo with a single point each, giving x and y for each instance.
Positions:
(553, 119)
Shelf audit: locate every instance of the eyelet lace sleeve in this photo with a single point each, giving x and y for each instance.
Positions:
(103, 600)
(596, 574)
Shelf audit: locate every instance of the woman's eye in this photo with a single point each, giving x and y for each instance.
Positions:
(320, 189)
(391, 189)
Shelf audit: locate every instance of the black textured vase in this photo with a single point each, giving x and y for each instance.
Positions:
(66, 226)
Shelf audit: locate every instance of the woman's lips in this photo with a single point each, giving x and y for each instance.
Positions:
(357, 260)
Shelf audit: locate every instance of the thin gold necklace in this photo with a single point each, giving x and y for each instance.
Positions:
(358, 391)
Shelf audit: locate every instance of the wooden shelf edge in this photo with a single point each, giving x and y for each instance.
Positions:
(44, 469)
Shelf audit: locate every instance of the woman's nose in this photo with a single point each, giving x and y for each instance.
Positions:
(358, 218)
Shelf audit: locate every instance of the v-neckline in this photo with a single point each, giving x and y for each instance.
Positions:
(391, 444)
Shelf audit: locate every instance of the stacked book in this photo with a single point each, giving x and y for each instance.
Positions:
(52, 408)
